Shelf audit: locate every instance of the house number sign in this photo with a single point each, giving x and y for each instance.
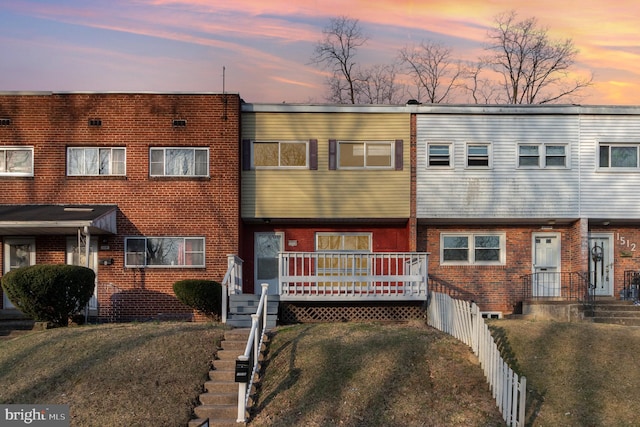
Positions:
(626, 243)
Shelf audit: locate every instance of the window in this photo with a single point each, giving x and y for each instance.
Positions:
(619, 155)
(283, 154)
(342, 262)
(164, 252)
(439, 155)
(365, 155)
(478, 155)
(179, 162)
(472, 248)
(16, 161)
(542, 156)
(86, 161)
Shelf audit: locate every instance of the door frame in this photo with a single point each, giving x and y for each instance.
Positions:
(6, 267)
(610, 266)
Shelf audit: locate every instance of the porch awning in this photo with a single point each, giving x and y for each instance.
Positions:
(22, 220)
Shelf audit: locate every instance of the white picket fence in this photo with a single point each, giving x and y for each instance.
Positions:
(464, 321)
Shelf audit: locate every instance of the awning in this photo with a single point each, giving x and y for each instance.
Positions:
(23, 220)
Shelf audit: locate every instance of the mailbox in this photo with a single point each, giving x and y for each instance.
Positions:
(242, 371)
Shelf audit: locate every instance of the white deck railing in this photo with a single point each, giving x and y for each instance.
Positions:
(463, 320)
(346, 276)
(231, 283)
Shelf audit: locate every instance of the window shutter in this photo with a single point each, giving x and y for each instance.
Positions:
(399, 156)
(246, 154)
(313, 154)
(332, 154)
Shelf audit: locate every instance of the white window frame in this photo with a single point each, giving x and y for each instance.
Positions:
(543, 155)
(280, 143)
(99, 149)
(489, 156)
(181, 253)
(164, 161)
(471, 248)
(617, 144)
(450, 147)
(366, 145)
(3, 160)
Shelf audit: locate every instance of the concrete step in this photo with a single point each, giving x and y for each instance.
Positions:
(217, 412)
(224, 365)
(222, 376)
(245, 321)
(626, 321)
(219, 398)
(248, 304)
(221, 387)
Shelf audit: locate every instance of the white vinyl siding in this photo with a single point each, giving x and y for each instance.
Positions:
(505, 190)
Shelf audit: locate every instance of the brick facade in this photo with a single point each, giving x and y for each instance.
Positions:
(147, 206)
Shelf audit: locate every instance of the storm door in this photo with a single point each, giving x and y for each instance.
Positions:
(77, 255)
(601, 264)
(267, 246)
(546, 265)
(18, 253)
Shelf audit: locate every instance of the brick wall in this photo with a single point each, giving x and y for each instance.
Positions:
(147, 206)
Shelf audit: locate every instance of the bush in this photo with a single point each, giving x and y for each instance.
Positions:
(50, 293)
(202, 295)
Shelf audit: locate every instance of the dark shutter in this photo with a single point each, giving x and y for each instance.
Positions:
(333, 158)
(246, 154)
(313, 154)
(399, 156)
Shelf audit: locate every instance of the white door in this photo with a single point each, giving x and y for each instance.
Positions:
(267, 246)
(546, 265)
(601, 263)
(77, 255)
(18, 253)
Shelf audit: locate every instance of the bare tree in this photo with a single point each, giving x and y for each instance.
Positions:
(534, 69)
(479, 87)
(433, 69)
(336, 52)
(378, 85)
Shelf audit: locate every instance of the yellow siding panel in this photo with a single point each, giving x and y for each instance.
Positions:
(324, 193)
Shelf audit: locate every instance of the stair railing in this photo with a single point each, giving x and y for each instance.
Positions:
(231, 283)
(247, 363)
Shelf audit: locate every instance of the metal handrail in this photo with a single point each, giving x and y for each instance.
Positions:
(252, 351)
(233, 276)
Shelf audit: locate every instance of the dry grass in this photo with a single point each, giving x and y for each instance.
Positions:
(366, 374)
(112, 375)
(579, 374)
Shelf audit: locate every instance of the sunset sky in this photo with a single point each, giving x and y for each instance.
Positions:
(265, 46)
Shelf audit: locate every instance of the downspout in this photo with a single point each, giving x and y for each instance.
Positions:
(87, 246)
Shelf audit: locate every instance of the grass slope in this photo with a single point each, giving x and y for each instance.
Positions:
(140, 374)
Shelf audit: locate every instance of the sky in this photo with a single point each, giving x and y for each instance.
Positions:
(262, 49)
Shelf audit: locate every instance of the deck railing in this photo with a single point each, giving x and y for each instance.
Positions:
(349, 276)
(563, 286)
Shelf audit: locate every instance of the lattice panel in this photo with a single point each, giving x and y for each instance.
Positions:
(308, 313)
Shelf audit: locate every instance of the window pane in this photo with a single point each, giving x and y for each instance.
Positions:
(439, 155)
(3, 162)
(487, 254)
(477, 155)
(456, 242)
(487, 241)
(265, 153)
(351, 155)
(76, 161)
(157, 162)
(163, 251)
(528, 155)
(624, 157)
(456, 254)
(105, 161)
(293, 154)
(117, 161)
(18, 161)
(90, 161)
(179, 162)
(202, 162)
(604, 156)
(379, 155)
(555, 155)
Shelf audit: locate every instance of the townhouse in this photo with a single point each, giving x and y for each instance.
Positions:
(141, 187)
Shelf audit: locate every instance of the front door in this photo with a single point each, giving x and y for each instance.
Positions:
(18, 253)
(267, 247)
(546, 265)
(77, 255)
(601, 263)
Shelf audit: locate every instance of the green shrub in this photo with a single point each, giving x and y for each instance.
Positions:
(202, 295)
(50, 293)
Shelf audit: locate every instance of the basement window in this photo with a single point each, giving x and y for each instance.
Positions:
(491, 314)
